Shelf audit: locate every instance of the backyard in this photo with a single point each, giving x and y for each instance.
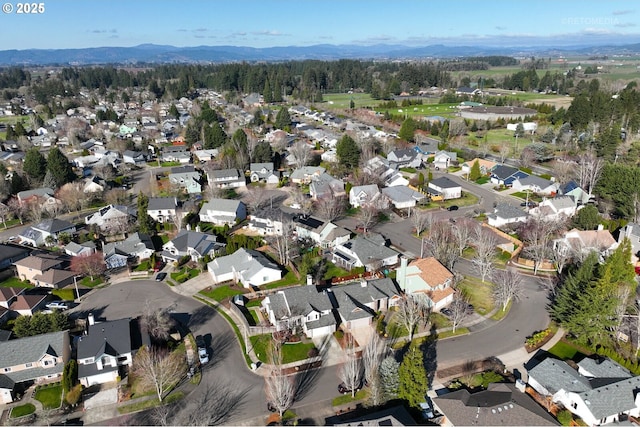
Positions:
(50, 395)
(291, 352)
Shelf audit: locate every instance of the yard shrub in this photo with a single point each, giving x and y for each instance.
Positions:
(565, 417)
(537, 337)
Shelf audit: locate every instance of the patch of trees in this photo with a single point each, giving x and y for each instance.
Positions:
(620, 184)
(40, 323)
(14, 78)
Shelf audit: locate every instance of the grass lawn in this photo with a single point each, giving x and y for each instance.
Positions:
(143, 266)
(254, 303)
(334, 271)
(439, 320)
(290, 352)
(86, 281)
(151, 403)
(220, 293)
(408, 170)
(565, 351)
(342, 100)
(478, 293)
(184, 274)
(65, 294)
(449, 334)
(500, 314)
(14, 282)
(22, 410)
(523, 195)
(289, 279)
(10, 223)
(483, 379)
(50, 396)
(346, 398)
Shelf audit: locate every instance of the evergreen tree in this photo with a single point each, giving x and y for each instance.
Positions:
(262, 153)
(173, 111)
(475, 173)
(564, 306)
(145, 222)
(214, 136)
(267, 95)
(444, 131)
(283, 119)
(34, 165)
(407, 130)
(348, 152)
(59, 167)
(69, 375)
(413, 377)
(389, 377)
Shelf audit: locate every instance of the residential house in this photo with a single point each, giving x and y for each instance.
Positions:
(26, 305)
(368, 251)
(501, 404)
(186, 178)
(505, 213)
(358, 302)
(574, 190)
(54, 278)
(112, 219)
(326, 186)
(80, 249)
(136, 247)
(226, 178)
(505, 175)
(162, 209)
(305, 174)
(582, 242)
(557, 208)
(443, 159)
(9, 295)
(36, 264)
(326, 235)
(205, 155)
(535, 184)
(403, 197)
(379, 167)
(270, 222)
(631, 231)
(176, 153)
(46, 232)
(36, 359)
(106, 350)
(43, 196)
(246, 266)
(368, 196)
(600, 392)
(223, 212)
(465, 90)
(193, 244)
(134, 157)
(444, 188)
(10, 254)
(404, 158)
(94, 184)
(428, 277)
(486, 166)
(264, 172)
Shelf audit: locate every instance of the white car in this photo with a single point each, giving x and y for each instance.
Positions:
(58, 305)
(203, 355)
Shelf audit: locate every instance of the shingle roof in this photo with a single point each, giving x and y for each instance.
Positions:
(111, 337)
(135, 243)
(161, 203)
(402, 194)
(604, 368)
(53, 225)
(535, 180)
(300, 300)
(247, 261)
(226, 173)
(431, 271)
(39, 262)
(556, 375)
(509, 211)
(444, 182)
(32, 349)
(612, 399)
(351, 298)
(27, 302)
(53, 276)
(226, 205)
(503, 172)
(8, 293)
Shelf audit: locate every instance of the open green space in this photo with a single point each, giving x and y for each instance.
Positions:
(478, 293)
(343, 100)
(221, 293)
(346, 398)
(150, 403)
(184, 274)
(86, 281)
(290, 352)
(67, 294)
(289, 279)
(22, 410)
(565, 351)
(49, 395)
(14, 282)
(334, 271)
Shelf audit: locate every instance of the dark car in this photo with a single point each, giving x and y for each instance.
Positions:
(161, 276)
(445, 311)
(528, 204)
(344, 389)
(452, 208)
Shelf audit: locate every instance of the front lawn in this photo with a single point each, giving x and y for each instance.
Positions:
(478, 293)
(65, 294)
(289, 279)
(22, 410)
(290, 352)
(184, 274)
(86, 281)
(346, 398)
(143, 266)
(49, 395)
(14, 282)
(221, 293)
(565, 351)
(254, 303)
(150, 403)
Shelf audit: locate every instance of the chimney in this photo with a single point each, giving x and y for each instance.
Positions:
(91, 319)
(309, 280)
(600, 227)
(402, 274)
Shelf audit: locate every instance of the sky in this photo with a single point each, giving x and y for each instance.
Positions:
(267, 23)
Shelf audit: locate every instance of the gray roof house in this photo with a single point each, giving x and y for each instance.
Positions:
(112, 218)
(369, 251)
(403, 197)
(247, 266)
(367, 196)
(560, 207)
(404, 158)
(324, 186)
(107, 349)
(193, 244)
(40, 358)
(264, 172)
(186, 178)
(324, 234)
(535, 184)
(223, 211)
(37, 235)
(134, 157)
(10, 254)
(270, 222)
(137, 246)
(162, 209)
(358, 302)
(631, 231)
(445, 187)
(226, 178)
(505, 213)
(305, 174)
(600, 391)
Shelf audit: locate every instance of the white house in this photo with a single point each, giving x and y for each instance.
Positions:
(445, 187)
(367, 196)
(226, 178)
(111, 218)
(443, 159)
(369, 251)
(404, 158)
(39, 234)
(193, 244)
(187, 178)
(426, 277)
(324, 234)
(223, 211)
(585, 241)
(534, 184)
(269, 222)
(162, 209)
(264, 172)
(505, 213)
(403, 197)
(247, 266)
(560, 207)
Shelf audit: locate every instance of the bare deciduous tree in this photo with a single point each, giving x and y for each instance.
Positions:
(282, 243)
(441, 244)
(504, 151)
(330, 208)
(588, 170)
(18, 209)
(372, 356)
(350, 371)
(485, 242)
(159, 369)
(301, 152)
(368, 217)
(459, 308)
(563, 170)
(537, 234)
(279, 387)
(156, 322)
(622, 297)
(463, 231)
(412, 310)
(72, 196)
(507, 286)
(255, 198)
(116, 196)
(421, 220)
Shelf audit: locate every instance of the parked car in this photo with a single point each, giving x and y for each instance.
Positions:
(528, 204)
(161, 276)
(453, 208)
(203, 355)
(57, 305)
(426, 409)
(446, 311)
(344, 389)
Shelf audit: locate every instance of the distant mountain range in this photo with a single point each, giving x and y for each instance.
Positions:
(150, 53)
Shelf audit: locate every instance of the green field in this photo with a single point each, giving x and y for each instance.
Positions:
(343, 100)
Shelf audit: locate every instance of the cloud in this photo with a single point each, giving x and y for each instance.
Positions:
(381, 38)
(200, 30)
(270, 33)
(622, 12)
(97, 31)
(239, 34)
(500, 28)
(625, 24)
(182, 30)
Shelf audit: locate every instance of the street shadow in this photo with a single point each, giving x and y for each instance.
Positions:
(220, 345)
(98, 313)
(306, 382)
(216, 404)
(203, 314)
(430, 350)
